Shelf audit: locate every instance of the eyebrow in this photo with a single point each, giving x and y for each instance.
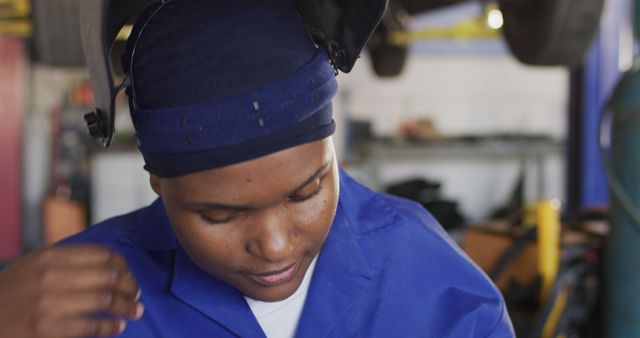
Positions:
(207, 205)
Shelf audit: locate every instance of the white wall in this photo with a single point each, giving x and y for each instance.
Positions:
(464, 94)
(119, 184)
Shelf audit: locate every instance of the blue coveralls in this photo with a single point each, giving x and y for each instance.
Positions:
(387, 269)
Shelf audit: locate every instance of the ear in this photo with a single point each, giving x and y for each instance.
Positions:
(154, 181)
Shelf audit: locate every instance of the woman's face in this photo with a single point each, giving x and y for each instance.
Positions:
(256, 225)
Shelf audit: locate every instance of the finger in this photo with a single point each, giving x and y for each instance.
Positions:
(67, 279)
(74, 255)
(80, 304)
(81, 328)
(86, 255)
(117, 261)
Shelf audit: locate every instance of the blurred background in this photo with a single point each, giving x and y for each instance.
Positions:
(488, 113)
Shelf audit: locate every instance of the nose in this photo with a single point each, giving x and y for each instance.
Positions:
(272, 235)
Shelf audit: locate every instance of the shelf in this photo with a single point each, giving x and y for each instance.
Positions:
(454, 148)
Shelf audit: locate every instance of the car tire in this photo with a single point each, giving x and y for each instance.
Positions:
(56, 37)
(550, 32)
(388, 60)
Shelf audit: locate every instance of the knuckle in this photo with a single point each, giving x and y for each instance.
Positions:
(116, 260)
(130, 284)
(122, 306)
(115, 279)
(108, 328)
(130, 307)
(107, 300)
(45, 276)
(117, 327)
(90, 327)
(41, 326)
(113, 258)
(45, 255)
(42, 307)
(106, 253)
(108, 277)
(93, 251)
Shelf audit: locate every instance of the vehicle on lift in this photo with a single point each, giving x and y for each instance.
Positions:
(538, 32)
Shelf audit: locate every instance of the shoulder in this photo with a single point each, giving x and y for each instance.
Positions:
(417, 240)
(372, 212)
(418, 265)
(147, 228)
(108, 232)
(144, 238)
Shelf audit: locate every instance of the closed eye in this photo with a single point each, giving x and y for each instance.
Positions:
(219, 220)
(304, 196)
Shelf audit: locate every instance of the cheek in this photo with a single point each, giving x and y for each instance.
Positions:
(209, 246)
(315, 216)
(309, 213)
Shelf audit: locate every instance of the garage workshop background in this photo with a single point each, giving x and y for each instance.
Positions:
(488, 115)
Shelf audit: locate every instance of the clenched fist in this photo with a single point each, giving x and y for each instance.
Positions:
(58, 292)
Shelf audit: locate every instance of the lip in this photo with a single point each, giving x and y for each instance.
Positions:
(276, 277)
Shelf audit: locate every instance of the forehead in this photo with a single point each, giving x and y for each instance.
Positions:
(272, 174)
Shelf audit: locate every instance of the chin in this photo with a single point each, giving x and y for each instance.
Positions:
(273, 293)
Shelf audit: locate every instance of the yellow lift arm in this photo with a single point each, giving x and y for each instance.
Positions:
(485, 26)
(14, 18)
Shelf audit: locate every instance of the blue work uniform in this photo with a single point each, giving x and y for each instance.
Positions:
(387, 269)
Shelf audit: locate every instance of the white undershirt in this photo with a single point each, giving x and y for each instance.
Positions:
(280, 319)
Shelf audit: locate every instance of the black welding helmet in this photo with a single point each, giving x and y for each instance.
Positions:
(341, 27)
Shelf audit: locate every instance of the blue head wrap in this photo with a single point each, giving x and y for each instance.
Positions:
(217, 82)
